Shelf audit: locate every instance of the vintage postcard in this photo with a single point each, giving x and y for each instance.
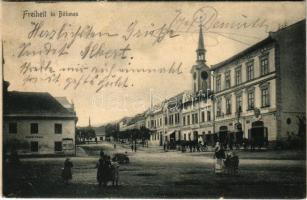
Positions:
(154, 99)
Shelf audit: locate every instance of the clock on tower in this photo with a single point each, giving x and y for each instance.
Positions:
(200, 71)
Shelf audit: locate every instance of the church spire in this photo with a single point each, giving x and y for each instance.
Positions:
(201, 39)
(201, 47)
(89, 121)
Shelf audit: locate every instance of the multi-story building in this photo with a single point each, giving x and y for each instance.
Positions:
(261, 87)
(155, 122)
(269, 78)
(130, 123)
(36, 123)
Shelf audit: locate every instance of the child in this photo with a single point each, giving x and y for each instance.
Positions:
(115, 173)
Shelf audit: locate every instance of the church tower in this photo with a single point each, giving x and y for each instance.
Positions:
(200, 71)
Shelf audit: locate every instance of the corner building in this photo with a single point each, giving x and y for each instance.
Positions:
(264, 83)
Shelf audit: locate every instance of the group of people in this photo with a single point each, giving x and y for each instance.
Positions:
(225, 163)
(192, 146)
(133, 147)
(106, 170)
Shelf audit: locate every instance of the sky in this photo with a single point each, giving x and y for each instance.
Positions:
(146, 52)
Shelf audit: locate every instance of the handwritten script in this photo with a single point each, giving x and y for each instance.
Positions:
(103, 57)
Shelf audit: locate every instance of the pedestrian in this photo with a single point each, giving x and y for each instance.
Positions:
(66, 172)
(132, 147)
(219, 155)
(115, 173)
(100, 168)
(135, 148)
(198, 146)
(114, 146)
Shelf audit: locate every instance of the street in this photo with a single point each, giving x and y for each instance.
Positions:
(153, 173)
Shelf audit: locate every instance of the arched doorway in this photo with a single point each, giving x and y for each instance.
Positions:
(223, 135)
(195, 136)
(238, 134)
(257, 135)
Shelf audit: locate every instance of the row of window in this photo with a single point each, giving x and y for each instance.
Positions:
(34, 128)
(171, 120)
(265, 102)
(34, 146)
(264, 69)
(175, 119)
(155, 123)
(186, 118)
(156, 136)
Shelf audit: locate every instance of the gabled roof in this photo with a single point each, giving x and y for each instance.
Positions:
(33, 104)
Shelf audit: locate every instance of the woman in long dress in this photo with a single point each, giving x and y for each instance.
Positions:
(66, 174)
(219, 155)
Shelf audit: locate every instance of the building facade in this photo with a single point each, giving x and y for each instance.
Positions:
(264, 83)
(262, 87)
(36, 123)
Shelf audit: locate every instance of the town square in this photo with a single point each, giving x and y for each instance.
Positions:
(197, 101)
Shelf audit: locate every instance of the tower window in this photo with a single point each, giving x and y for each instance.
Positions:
(200, 57)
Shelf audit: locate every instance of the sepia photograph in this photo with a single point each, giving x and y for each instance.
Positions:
(193, 100)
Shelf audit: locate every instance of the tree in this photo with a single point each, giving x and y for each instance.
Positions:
(112, 130)
(85, 134)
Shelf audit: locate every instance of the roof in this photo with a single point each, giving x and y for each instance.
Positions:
(64, 101)
(33, 104)
(100, 131)
(267, 40)
(136, 118)
(177, 97)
